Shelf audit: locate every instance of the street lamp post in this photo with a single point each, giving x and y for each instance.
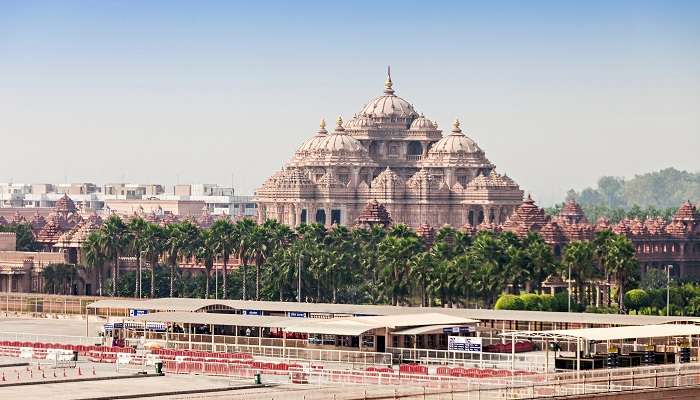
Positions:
(569, 289)
(668, 289)
(299, 287)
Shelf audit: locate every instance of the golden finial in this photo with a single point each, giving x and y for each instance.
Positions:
(455, 126)
(339, 121)
(323, 123)
(388, 84)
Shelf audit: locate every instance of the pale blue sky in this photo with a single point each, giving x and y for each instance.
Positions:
(556, 93)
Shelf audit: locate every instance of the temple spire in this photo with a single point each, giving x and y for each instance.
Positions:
(388, 84)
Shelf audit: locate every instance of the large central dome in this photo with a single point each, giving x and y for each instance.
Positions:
(388, 105)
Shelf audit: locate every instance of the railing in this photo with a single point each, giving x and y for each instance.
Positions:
(414, 157)
(44, 303)
(351, 358)
(521, 361)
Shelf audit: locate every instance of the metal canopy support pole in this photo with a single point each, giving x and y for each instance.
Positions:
(87, 323)
(212, 338)
(512, 352)
(189, 335)
(546, 356)
(578, 354)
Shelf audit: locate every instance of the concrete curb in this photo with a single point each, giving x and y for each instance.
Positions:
(19, 364)
(88, 379)
(176, 392)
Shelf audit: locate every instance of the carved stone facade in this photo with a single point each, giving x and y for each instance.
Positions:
(390, 153)
(656, 242)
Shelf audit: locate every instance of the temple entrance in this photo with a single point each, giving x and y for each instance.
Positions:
(470, 217)
(303, 216)
(321, 216)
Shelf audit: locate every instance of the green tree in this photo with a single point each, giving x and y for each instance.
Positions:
(225, 239)
(579, 258)
(114, 240)
(94, 257)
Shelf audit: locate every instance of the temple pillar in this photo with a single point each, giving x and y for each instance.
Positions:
(292, 216)
(9, 282)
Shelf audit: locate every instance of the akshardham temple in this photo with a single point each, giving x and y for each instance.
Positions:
(390, 154)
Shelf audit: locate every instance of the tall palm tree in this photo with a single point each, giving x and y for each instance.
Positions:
(420, 266)
(258, 250)
(223, 236)
(136, 234)
(241, 237)
(154, 246)
(579, 258)
(206, 254)
(94, 257)
(113, 242)
(394, 254)
(623, 265)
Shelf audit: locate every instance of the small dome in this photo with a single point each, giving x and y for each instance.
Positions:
(423, 124)
(454, 143)
(339, 142)
(360, 123)
(313, 142)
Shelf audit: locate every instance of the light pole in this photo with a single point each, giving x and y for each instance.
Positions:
(569, 290)
(299, 287)
(668, 289)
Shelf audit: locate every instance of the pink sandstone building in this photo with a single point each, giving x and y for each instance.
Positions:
(390, 153)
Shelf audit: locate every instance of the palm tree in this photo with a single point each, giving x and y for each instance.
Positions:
(579, 258)
(183, 240)
(420, 267)
(395, 253)
(113, 242)
(206, 254)
(540, 258)
(223, 236)
(94, 257)
(258, 249)
(154, 246)
(602, 243)
(241, 237)
(622, 264)
(136, 233)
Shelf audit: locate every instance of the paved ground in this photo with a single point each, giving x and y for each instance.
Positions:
(107, 388)
(60, 327)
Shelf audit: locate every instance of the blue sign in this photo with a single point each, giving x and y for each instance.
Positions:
(252, 312)
(296, 314)
(133, 312)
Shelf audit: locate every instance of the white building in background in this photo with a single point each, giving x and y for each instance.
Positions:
(89, 197)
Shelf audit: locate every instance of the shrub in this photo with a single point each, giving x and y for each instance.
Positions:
(560, 302)
(546, 302)
(531, 301)
(509, 302)
(636, 299)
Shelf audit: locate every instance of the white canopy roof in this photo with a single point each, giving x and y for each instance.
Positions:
(615, 333)
(214, 319)
(356, 326)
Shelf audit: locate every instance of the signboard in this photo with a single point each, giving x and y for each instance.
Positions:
(252, 312)
(134, 312)
(464, 344)
(296, 314)
(458, 329)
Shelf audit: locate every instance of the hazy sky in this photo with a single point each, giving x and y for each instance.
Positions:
(556, 93)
